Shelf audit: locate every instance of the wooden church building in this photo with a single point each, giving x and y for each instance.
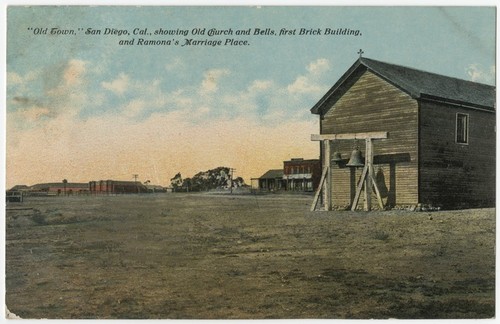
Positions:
(430, 139)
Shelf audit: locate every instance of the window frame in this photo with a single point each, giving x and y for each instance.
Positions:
(464, 135)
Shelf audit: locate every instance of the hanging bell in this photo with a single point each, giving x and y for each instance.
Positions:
(336, 157)
(356, 159)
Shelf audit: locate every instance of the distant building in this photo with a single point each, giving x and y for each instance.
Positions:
(297, 174)
(155, 188)
(116, 187)
(16, 193)
(58, 189)
(301, 175)
(271, 180)
(20, 188)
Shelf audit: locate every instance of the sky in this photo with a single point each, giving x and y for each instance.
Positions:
(83, 107)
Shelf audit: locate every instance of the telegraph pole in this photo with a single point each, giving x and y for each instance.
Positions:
(231, 172)
(135, 176)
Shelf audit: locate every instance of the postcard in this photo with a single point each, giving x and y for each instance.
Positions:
(250, 162)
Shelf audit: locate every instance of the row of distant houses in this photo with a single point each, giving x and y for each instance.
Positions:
(88, 188)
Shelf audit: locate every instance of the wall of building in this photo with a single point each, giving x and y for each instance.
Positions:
(55, 189)
(372, 105)
(271, 184)
(116, 187)
(456, 175)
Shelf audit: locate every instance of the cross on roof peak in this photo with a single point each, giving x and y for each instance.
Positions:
(360, 52)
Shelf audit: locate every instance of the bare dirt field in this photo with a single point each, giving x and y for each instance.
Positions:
(201, 256)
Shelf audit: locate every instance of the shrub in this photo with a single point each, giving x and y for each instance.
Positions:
(38, 217)
(380, 235)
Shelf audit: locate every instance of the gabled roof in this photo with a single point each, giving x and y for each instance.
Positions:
(418, 84)
(272, 174)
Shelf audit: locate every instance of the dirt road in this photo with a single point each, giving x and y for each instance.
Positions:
(200, 256)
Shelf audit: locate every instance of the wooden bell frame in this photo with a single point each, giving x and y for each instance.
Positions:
(367, 180)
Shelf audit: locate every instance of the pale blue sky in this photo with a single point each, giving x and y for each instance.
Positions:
(443, 40)
(85, 81)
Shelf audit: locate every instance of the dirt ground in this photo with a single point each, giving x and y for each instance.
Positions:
(202, 256)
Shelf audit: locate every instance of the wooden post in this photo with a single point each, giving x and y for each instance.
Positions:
(324, 187)
(368, 179)
(318, 192)
(377, 192)
(328, 182)
(359, 188)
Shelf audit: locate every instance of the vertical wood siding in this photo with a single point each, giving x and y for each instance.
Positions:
(456, 175)
(372, 104)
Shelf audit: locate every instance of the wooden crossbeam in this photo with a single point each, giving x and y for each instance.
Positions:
(348, 136)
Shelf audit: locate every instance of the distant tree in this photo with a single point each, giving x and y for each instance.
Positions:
(187, 184)
(217, 178)
(238, 182)
(176, 181)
